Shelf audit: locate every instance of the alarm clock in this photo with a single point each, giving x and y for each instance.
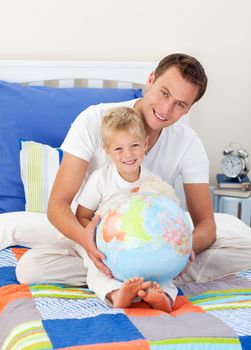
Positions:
(235, 163)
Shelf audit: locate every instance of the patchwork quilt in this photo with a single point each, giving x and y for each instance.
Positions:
(214, 315)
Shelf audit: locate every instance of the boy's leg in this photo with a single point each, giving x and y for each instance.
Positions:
(171, 290)
(99, 283)
(161, 298)
(113, 292)
(54, 263)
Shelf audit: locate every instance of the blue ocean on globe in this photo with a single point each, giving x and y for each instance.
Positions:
(146, 235)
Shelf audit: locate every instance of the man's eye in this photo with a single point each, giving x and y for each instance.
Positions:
(180, 104)
(164, 93)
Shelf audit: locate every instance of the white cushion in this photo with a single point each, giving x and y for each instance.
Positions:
(39, 164)
(27, 229)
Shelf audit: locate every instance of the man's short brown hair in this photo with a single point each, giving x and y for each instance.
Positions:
(189, 67)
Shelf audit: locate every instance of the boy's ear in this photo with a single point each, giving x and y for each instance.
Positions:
(146, 143)
(106, 150)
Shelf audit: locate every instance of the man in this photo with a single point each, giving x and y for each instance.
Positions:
(173, 149)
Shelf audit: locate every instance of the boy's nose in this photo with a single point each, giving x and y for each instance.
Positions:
(128, 152)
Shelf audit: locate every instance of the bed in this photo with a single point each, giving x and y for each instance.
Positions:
(38, 102)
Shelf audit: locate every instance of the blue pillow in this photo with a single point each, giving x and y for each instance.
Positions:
(41, 114)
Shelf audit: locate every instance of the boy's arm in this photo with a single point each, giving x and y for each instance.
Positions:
(200, 207)
(84, 215)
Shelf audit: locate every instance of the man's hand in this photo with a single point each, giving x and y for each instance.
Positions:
(88, 242)
(191, 259)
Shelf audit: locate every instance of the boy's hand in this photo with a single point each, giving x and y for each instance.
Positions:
(191, 259)
(88, 242)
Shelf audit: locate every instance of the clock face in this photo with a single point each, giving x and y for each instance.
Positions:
(232, 165)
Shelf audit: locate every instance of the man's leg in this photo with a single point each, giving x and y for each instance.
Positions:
(229, 254)
(54, 263)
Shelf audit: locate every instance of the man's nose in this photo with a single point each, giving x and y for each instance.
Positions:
(167, 107)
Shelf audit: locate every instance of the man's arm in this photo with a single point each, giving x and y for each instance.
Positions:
(68, 181)
(200, 207)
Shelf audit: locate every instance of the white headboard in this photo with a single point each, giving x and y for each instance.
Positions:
(125, 73)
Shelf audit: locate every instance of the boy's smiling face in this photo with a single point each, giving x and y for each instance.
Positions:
(127, 152)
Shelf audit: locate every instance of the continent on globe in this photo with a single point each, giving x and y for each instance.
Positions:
(146, 235)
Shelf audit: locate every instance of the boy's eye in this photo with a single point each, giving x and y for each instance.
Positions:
(135, 145)
(118, 149)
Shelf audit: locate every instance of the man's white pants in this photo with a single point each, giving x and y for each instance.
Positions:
(61, 263)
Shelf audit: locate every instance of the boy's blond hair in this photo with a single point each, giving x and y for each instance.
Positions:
(122, 119)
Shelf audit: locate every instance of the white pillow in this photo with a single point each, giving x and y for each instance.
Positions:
(27, 229)
(39, 164)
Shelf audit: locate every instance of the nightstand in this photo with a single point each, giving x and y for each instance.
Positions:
(240, 207)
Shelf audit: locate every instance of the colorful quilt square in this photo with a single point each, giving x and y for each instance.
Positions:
(130, 345)
(8, 276)
(13, 292)
(238, 320)
(58, 308)
(197, 344)
(16, 313)
(245, 342)
(19, 251)
(93, 330)
(183, 326)
(7, 258)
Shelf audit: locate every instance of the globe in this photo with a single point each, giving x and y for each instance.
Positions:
(146, 235)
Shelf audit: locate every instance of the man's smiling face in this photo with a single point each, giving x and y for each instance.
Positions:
(167, 99)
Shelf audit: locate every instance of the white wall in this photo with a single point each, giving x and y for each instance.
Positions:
(217, 32)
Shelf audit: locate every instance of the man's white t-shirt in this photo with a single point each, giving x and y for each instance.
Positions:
(178, 151)
(105, 183)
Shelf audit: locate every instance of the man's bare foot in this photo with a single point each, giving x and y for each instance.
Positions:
(123, 297)
(156, 297)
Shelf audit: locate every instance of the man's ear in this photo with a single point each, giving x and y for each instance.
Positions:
(150, 79)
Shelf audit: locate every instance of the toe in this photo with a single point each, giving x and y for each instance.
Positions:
(142, 294)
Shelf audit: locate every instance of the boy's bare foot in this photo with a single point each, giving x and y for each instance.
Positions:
(123, 297)
(156, 297)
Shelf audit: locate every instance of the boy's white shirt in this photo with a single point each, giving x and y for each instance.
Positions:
(105, 183)
(105, 186)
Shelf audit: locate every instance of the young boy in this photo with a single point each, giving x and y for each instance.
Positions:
(125, 142)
